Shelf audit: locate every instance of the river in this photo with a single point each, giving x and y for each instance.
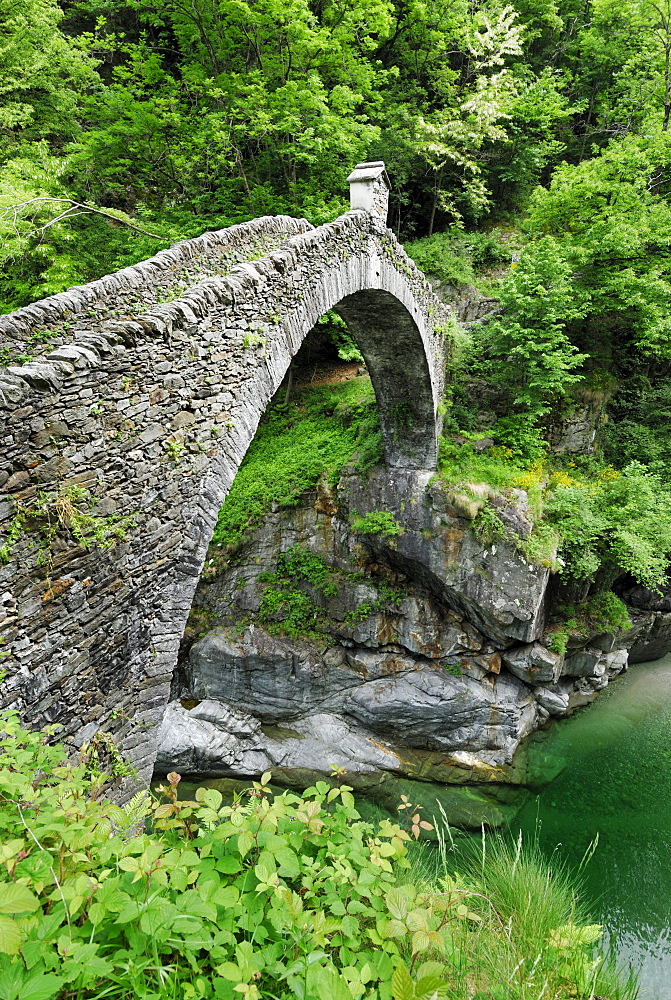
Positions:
(612, 763)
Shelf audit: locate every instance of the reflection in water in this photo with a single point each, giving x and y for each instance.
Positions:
(611, 771)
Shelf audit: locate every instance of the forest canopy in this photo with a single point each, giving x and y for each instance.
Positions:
(191, 115)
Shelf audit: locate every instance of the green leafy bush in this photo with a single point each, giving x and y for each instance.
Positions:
(267, 898)
(456, 256)
(602, 612)
(288, 609)
(377, 522)
(291, 897)
(611, 523)
(341, 338)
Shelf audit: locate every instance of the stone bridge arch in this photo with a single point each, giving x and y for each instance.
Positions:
(150, 406)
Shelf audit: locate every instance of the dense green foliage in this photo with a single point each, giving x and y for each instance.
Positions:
(302, 597)
(179, 117)
(295, 447)
(457, 256)
(541, 124)
(602, 612)
(266, 899)
(377, 522)
(614, 523)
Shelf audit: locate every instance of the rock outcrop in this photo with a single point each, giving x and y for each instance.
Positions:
(426, 664)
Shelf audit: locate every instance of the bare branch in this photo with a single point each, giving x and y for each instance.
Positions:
(84, 210)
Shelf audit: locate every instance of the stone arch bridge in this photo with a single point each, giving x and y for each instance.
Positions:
(147, 392)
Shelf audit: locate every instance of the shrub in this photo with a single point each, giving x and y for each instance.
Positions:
(377, 522)
(456, 256)
(286, 897)
(267, 898)
(341, 338)
(613, 522)
(285, 607)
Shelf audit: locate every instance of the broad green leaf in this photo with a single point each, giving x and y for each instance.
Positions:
(17, 899)
(322, 982)
(420, 941)
(130, 864)
(229, 865)
(226, 896)
(265, 866)
(211, 797)
(429, 969)
(40, 987)
(230, 971)
(397, 904)
(245, 841)
(11, 936)
(287, 861)
(189, 859)
(392, 929)
(402, 986)
(430, 987)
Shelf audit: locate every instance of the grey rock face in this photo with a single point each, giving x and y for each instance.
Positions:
(553, 700)
(270, 677)
(411, 687)
(653, 639)
(576, 432)
(407, 701)
(583, 663)
(428, 709)
(533, 663)
(418, 627)
(494, 587)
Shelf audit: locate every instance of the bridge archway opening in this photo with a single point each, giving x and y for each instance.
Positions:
(396, 362)
(396, 359)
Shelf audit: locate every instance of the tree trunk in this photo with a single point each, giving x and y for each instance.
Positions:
(434, 206)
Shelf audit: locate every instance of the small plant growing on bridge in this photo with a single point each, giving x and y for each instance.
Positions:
(64, 511)
(103, 761)
(175, 449)
(253, 340)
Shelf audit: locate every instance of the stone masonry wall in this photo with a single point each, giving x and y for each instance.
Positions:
(152, 411)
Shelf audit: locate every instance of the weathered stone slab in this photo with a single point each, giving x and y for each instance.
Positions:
(533, 663)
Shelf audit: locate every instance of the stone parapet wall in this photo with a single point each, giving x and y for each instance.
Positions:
(83, 315)
(152, 412)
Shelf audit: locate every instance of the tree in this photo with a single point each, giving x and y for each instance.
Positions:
(525, 351)
(42, 74)
(612, 219)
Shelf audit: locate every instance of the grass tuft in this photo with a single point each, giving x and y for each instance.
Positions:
(528, 936)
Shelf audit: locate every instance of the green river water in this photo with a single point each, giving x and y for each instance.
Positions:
(612, 763)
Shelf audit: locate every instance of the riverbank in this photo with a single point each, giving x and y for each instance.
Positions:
(269, 898)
